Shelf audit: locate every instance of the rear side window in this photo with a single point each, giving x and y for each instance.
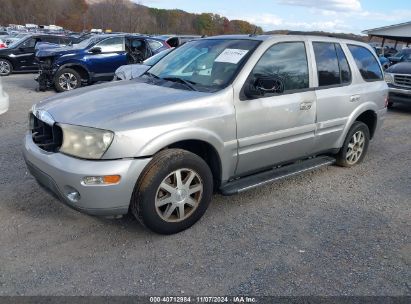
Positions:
(286, 62)
(332, 65)
(366, 63)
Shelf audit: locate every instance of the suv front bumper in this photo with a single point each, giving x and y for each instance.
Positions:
(59, 174)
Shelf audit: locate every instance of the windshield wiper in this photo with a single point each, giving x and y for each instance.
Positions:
(151, 75)
(187, 83)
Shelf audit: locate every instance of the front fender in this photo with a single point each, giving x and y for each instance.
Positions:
(171, 137)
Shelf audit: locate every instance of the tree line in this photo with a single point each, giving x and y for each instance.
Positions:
(118, 16)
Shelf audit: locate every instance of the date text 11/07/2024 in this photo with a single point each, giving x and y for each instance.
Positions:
(203, 299)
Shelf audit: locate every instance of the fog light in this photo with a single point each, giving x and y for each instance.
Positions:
(101, 180)
(73, 196)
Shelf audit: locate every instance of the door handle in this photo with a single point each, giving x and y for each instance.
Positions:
(306, 105)
(355, 98)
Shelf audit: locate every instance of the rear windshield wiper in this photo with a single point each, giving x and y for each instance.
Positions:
(187, 83)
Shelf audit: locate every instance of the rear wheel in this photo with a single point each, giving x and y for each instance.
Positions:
(355, 145)
(173, 193)
(5, 67)
(66, 80)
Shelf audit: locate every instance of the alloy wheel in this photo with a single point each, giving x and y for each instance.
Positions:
(4, 67)
(178, 195)
(68, 81)
(355, 147)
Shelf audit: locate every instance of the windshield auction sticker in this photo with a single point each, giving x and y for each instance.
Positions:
(231, 55)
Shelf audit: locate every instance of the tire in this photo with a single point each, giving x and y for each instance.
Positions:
(67, 80)
(355, 147)
(5, 67)
(165, 205)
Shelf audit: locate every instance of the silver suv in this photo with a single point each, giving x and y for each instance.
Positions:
(224, 113)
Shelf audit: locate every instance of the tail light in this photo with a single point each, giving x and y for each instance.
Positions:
(386, 101)
(3, 45)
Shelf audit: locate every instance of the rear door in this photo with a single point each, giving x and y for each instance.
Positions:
(279, 126)
(336, 98)
(113, 55)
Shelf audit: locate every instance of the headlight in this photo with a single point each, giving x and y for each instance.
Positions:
(84, 142)
(389, 78)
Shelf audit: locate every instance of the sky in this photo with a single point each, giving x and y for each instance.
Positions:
(348, 16)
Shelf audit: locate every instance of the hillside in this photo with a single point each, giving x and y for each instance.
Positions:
(118, 15)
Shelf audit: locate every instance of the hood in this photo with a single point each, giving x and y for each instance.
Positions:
(127, 72)
(53, 51)
(116, 105)
(400, 68)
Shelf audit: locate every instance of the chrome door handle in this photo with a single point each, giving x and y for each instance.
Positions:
(355, 98)
(306, 105)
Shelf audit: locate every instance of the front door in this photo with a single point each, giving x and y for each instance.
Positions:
(111, 56)
(279, 125)
(24, 55)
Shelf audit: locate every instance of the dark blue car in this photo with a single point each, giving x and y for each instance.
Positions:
(93, 59)
(403, 55)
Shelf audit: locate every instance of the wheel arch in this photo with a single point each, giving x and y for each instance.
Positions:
(202, 143)
(79, 68)
(10, 61)
(366, 113)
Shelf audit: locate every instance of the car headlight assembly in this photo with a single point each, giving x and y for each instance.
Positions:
(85, 142)
(389, 78)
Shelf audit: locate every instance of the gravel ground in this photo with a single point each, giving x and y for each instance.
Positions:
(334, 231)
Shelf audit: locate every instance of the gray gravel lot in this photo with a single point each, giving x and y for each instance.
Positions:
(334, 231)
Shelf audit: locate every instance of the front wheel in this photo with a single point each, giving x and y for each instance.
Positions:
(66, 80)
(5, 67)
(173, 192)
(355, 145)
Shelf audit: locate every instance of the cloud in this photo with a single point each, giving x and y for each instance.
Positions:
(329, 5)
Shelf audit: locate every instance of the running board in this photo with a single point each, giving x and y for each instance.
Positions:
(253, 181)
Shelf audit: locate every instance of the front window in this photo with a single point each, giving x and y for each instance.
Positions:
(110, 45)
(205, 65)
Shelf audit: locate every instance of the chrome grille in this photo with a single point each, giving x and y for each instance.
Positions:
(402, 80)
(48, 138)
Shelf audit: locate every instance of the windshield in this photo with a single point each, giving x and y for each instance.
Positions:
(207, 65)
(156, 58)
(85, 43)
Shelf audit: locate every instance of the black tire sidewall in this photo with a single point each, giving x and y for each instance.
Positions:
(10, 65)
(142, 204)
(357, 126)
(66, 70)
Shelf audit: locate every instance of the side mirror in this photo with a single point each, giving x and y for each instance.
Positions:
(262, 85)
(95, 50)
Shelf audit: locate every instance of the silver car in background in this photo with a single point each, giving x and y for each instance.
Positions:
(131, 71)
(225, 113)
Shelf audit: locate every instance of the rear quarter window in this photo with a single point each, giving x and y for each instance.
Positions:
(366, 62)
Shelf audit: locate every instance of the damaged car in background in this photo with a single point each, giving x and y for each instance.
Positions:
(94, 59)
(131, 71)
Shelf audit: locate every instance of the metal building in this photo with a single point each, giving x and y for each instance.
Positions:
(397, 32)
